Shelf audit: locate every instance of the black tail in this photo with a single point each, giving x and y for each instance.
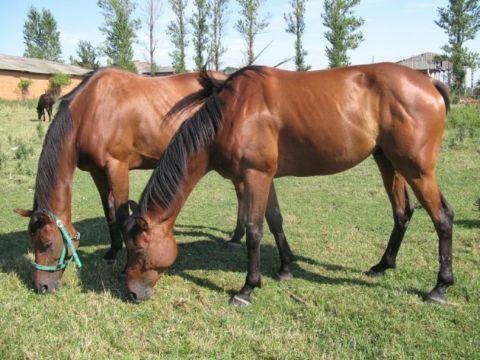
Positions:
(443, 90)
(194, 134)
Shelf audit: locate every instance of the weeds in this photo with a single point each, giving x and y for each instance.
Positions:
(40, 131)
(23, 151)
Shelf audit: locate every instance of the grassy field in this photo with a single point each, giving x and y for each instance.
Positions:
(337, 226)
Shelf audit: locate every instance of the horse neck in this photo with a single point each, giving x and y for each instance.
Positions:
(58, 197)
(197, 166)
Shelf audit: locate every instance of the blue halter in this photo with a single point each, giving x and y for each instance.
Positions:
(67, 243)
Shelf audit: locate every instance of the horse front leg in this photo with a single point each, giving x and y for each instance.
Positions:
(112, 184)
(255, 200)
(275, 223)
(101, 181)
(239, 232)
(118, 181)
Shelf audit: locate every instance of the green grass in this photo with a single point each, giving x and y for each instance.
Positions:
(337, 226)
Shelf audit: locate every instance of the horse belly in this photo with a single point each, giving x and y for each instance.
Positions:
(310, 157)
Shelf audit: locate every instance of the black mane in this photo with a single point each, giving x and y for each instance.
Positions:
(194, 134)
(61, 126)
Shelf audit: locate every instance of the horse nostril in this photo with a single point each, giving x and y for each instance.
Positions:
(43, 289)
(133, 297)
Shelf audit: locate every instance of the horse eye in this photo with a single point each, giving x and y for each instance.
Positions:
(140, 252)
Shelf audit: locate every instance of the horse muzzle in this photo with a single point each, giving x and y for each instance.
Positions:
(139, 292)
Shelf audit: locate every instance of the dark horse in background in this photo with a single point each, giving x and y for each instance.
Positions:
(263, 123)
(45, 103)
(111, 123)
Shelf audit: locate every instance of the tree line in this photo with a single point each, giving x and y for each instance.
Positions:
(460, 20)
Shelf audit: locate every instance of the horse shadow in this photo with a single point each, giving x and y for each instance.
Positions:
(209, 252)
(467, 223)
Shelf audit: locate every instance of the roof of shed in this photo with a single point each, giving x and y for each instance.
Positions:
(38, 66)
(426, 61)
(143, 68)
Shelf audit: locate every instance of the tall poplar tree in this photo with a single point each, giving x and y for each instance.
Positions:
(119, 29)
(87, 55)
(217, 31)
(296, 26)
(250, 24)
(342, 33)
(178, 35)
(42, 40)
(199, 22)
(461, 21)
(152, 11)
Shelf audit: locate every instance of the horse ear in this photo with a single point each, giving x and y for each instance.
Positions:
(141, 223)
(40, 218)
(23, 212)
(133, 206)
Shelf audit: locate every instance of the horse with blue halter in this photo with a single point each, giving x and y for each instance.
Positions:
(111, 123)
(263, 123)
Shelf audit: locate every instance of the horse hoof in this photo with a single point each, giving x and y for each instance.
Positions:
(240, 300)
(283, 275)
(376, 271)
(434, 297)
(110, 256)
(234, 246)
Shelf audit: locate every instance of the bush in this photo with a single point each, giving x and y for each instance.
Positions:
(57, 81)
(23, 85)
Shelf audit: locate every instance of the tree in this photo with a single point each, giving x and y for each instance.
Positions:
(87, 55)
(178, 33)
(342, 34)
(250, 25)
(472, 62)
(217, 30)
(200, 31)
(296, 26)
(152, 11)
(42, 40)
(119, 29)
(461, 22)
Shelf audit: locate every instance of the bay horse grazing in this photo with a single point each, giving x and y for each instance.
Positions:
(45, 103)
(263, 123)
(111, 123)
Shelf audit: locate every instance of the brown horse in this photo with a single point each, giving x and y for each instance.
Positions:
(111, 123)
(45, 103)
(263, 123)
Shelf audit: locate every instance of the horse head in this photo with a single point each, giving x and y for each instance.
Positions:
(152, 249)
(51, 252)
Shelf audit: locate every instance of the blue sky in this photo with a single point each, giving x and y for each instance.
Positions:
(393, 30)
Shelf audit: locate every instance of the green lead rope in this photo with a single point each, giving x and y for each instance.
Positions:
(67, 243)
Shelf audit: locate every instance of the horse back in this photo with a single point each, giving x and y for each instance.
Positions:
(331, 119)
(120, 116)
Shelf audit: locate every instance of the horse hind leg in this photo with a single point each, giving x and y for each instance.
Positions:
(442, 216)
(425, 187)
(402, 212)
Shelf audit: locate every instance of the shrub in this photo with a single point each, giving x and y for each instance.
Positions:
(57, 81)
(23, 85)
